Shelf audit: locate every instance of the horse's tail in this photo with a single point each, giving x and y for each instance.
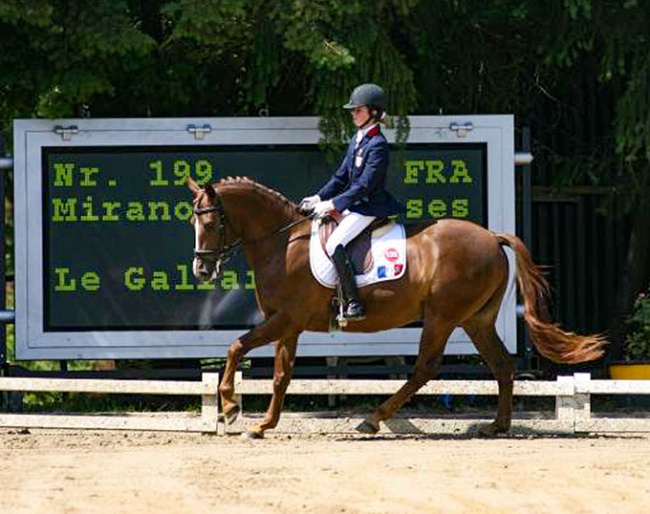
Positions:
(550, 340)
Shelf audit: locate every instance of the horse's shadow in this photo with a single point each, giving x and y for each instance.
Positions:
(405, 428)
(516, 433)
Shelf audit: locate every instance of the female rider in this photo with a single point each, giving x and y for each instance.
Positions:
(357, 191)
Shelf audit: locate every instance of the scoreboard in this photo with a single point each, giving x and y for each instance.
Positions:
(104, 245)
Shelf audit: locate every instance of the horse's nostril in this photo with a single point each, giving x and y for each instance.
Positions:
(201, 271)
(204, 275)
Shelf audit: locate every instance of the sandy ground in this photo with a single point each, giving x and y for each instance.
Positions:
(52, 471)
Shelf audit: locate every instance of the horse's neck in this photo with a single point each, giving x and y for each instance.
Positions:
(256, 214)
(254, 211)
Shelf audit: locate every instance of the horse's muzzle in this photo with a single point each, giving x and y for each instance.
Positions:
(206, 270)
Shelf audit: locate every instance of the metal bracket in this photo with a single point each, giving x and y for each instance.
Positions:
(199, 132)
(66, 132)
(6, 163)
(461, 130)
(7, 316)
(523, 158)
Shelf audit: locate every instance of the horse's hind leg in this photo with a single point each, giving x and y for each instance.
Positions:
(492, 349)
(432, 344)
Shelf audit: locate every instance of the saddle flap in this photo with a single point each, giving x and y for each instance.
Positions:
(359, 249)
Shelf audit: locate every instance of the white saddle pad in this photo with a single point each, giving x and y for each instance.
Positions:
(388, 254)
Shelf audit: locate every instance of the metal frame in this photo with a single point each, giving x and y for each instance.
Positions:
(32, 342)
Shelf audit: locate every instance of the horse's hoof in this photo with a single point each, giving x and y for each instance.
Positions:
(491, 430)
(252, 434)
(231, 416)
(365, 427)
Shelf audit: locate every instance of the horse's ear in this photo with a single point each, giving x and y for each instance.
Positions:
(210, 191)
(194, 187)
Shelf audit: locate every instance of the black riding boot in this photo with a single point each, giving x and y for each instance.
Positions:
(354, 310)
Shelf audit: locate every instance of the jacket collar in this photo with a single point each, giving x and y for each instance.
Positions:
(372, 131)
(367, 133)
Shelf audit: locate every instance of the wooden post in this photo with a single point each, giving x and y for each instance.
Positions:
(582, 400)
(210, 403)
(565, 405)
(239, 378)
(331, 362)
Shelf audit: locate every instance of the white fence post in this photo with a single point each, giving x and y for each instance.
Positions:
(210, 402)
(564, 404)
(238, 397)
(582, 400)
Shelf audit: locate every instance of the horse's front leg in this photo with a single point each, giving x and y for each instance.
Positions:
(271, 329)
(285, 356)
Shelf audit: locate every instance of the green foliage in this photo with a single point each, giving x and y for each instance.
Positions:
(58, 56)
(187, 57)
(191, 57)
(296, 57)
(637, 343)
(613, 38)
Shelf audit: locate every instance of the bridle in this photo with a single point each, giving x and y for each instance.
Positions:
(220, 256)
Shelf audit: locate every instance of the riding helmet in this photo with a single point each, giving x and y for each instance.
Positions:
(371, 95)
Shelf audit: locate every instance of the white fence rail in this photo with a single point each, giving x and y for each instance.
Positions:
(572, 405)
(206, 422)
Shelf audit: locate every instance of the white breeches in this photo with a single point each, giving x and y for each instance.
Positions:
(350, 227)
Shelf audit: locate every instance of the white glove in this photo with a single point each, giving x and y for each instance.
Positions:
(323, 208)
(308, 203)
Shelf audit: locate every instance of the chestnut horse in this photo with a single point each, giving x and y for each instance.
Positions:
(456, 275)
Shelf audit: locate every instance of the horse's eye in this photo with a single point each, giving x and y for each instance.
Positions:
(209, 225)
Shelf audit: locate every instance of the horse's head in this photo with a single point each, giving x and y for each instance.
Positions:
(209, 222)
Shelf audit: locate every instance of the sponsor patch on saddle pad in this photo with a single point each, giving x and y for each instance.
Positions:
(388, 254)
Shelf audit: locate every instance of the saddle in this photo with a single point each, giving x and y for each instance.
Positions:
(358, 249)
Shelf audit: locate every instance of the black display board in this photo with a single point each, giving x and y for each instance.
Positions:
(117, 245)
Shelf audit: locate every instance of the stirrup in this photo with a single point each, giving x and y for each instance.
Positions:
(355, 311)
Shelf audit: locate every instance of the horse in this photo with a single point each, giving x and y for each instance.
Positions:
(456, 276)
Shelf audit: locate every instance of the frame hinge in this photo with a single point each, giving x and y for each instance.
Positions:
(66, 132)
(461, 129)
(199, 132)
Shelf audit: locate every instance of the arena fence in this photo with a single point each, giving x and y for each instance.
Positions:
(205, 422)
(572, 414)
(572, 405)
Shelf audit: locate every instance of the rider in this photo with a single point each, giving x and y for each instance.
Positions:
(357, 189)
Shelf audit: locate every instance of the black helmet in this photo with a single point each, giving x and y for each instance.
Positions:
(367, 94)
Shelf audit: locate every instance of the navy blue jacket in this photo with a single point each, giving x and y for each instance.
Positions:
(360, 182)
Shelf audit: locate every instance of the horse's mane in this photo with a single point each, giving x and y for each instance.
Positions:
(266, 192)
